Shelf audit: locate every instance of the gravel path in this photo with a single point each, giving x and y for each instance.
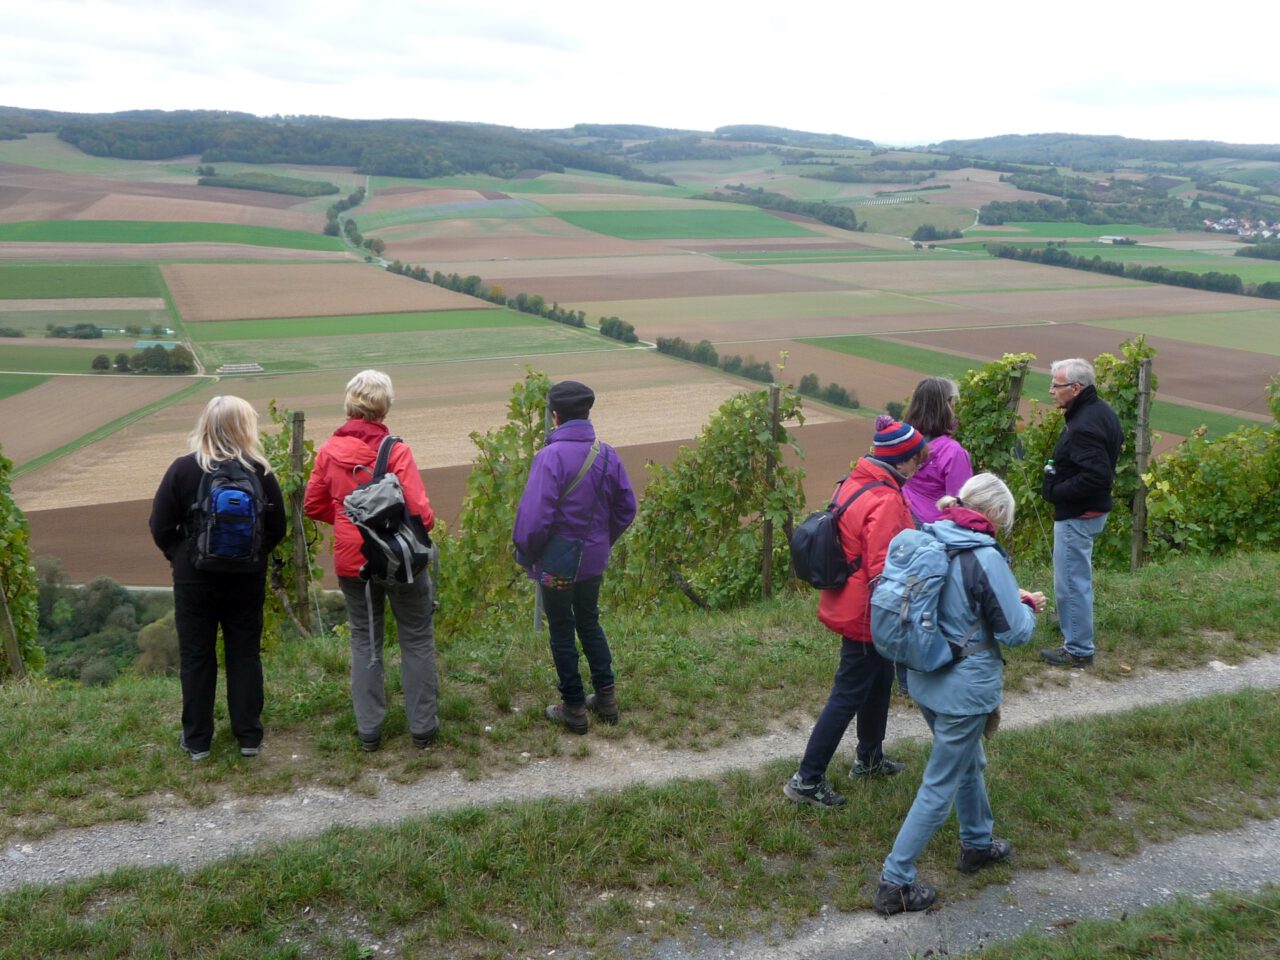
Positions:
(189, 837)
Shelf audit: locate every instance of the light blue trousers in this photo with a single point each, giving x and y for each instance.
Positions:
(952, 777)
(1073, 580)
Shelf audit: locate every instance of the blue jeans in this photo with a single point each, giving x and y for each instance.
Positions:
(952, 777)
(1073, 580)
(577, 610)
(863, 683)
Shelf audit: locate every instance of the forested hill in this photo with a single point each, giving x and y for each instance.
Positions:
(1083, 152)
(400, 148)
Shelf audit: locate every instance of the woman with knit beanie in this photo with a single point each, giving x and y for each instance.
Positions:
(876, 513)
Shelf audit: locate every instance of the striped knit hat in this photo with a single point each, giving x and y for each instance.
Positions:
(895, 442)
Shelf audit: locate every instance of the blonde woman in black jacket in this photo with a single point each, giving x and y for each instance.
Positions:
(206, 599)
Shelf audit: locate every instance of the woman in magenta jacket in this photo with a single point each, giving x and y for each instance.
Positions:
(932, 411)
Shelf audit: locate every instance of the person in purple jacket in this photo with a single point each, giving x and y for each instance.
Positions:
(578, 489)
(932, 411)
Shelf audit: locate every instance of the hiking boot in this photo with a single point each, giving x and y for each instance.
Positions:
(1062, 657)
(574, 718)
(604, 704)
(894, 898)
(819, 794)
(424, 741)
(249, 751)
(195, 754)
(370, 744)
(884, 767)
(973, 859)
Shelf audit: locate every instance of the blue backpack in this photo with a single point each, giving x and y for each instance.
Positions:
(226, 521)
(904, 604)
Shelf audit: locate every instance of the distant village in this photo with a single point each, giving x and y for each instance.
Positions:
(1245, 227)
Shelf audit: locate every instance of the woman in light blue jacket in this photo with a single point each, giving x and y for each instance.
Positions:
(958, 701)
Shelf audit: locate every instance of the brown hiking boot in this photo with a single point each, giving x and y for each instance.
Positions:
(575, 718)
(604, 704)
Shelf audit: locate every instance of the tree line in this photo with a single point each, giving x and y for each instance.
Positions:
(828, 213)
(1212, 280)
(154, 359)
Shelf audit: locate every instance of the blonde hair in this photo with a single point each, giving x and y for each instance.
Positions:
(227, 430)
(369, 396)
(986, 493)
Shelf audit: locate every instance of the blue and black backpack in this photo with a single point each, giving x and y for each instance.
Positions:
(225, 524)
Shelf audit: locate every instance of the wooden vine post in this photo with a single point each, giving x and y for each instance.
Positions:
(12, 652)
(1142, 452)
(301, 558)
(770, 467)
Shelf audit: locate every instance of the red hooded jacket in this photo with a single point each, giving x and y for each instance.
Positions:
(344, 462)
(866, 528)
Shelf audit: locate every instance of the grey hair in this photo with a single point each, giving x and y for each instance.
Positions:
(1075, 370)
(369, 396)
(986, 493)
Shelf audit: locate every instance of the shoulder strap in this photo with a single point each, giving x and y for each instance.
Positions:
(384, 454)
(582, 471)
(852, 497)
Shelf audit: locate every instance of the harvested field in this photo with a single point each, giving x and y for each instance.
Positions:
(256, 291)
(874, 383)
(770, 317)
(162, 251)
(636, 286)
(522, 245)
(82, 303)
(666, 263)
(1217, 378)
(398, 198)
(971, 187)
(130, 207)
(1102, 303)
(66, 408)
(122, 547)
(937, 277)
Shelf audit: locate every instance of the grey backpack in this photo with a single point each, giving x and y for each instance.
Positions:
(396, 544)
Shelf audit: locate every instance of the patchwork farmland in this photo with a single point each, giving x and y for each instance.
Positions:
(245, 278)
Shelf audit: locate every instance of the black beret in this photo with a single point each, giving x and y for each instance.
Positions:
(569, 397)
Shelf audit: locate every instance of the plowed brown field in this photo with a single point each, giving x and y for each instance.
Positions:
(626, 285)
(204, 291)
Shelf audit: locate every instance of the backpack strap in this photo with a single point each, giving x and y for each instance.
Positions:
(582, 471)
(384, 454)
(838, 510)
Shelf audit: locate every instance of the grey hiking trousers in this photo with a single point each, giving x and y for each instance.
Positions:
(411, 605)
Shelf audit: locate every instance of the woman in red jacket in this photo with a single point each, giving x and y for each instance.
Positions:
(344, 462)
(864, 679)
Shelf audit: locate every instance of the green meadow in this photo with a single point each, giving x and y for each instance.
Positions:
(44, 359)
(684, 224)
(360, 325)
(419, 346)
(1165, 417)
(571, 181)
(144, 231)
(1053, 228)
(35, 322)
(1248, 269)
(12, 384)
(43, 281)
(1257, 331)
(508, 209)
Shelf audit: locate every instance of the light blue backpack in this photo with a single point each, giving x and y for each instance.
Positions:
(904, 604)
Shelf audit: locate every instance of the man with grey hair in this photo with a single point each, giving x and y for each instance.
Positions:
(1077, 481)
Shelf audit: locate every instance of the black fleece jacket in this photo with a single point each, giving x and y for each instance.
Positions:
(172, 503)
(1084, 460)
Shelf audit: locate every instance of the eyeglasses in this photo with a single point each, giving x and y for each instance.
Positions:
(1059, 386)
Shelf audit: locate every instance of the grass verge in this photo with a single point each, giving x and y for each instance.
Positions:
(720, 857)
(1230, 926)
(146, 231)
(688, 680)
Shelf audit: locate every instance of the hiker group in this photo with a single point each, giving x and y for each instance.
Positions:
(929, 595)
(914, 582)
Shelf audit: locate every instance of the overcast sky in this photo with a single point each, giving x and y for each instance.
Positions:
(900, 73)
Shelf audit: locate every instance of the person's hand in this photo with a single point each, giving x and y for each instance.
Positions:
(1036, 600)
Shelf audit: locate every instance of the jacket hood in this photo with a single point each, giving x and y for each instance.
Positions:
(952, 534)
(355, 443)
(869, 469)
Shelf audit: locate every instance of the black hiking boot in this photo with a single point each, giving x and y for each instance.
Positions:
(1062, 657)
(574, 718)
(973, 859)
(604, 704)
(894, 898)
(819, 794)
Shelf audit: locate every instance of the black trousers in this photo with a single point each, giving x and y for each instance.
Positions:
(233, 602)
